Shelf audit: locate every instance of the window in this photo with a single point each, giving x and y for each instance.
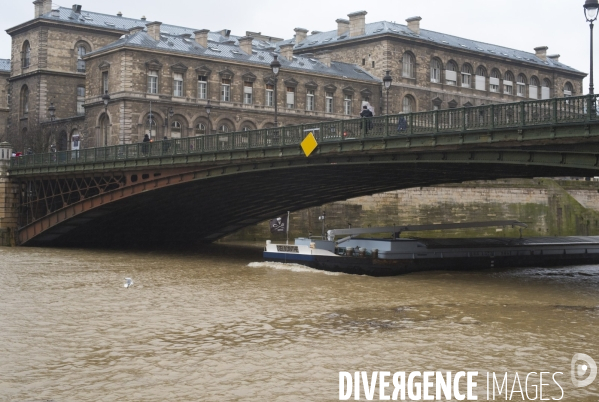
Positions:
(546, 89)
(80, 100)
(568, 89)
(24, 100)
(153, 82)
(223, 128)
(373, 64)
(408, 65)
(290, 97)
(533, 88)
(466, 76)
(310, 99)
(177, 84)
(225, 90)
(176, 130)
(202, 87)
(247, 92)
(508, 83)
(436, 70)
(494, 81)
(481, 79)
(521, 85)
(270, 95)
(81, 51)
(451, 76)
(26, 56)
(104, 82)
(408, 104)
(246, 128)
(200, 129)
(329, 102)
(347, 109)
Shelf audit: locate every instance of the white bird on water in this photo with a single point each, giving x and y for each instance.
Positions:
(128, 283)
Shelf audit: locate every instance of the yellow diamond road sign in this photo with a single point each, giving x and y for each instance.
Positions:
(309, 144)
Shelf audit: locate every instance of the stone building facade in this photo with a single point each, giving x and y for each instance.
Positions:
(160, 77)
(4, 95)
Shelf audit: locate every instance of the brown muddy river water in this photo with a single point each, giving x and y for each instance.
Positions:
(218, 325)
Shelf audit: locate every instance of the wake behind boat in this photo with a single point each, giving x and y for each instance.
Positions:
(395, 255)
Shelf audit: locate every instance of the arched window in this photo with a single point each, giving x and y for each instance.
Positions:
(481, 78)
(533, 88)
(408, 65)
(494, 80)
(451, 76)
(508, 83)
(26, 55)
(200, 129)
(546, 89)
(466, 76)
(436, 67)
(568, 89)
(224, 128)
(176, 129)
(104, 131)
(24, 100)
(408, 104)
(521, 85)
(81, 51)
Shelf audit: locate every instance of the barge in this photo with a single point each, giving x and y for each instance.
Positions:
(395, 255)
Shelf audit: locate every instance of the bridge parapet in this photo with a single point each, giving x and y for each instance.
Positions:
(447, 123)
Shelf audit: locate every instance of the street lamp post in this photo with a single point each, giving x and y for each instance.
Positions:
(208, 108)
(52, 111)
(275, 66)
(105, 99)
(169, 116)
(387, 80)
(591, 9)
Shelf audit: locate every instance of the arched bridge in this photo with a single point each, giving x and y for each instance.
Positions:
(203, 188)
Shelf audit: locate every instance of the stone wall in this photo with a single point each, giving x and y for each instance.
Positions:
(549, 207)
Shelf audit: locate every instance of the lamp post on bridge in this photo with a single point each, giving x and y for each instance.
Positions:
(208, 108)
(591, 9)
(105, 99)
(387, 80)
(275, 66)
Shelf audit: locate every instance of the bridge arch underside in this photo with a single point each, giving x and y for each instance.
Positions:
(212, 203)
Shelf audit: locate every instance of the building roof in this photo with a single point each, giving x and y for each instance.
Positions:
(5, 65)
(221, 47)
(314, 42)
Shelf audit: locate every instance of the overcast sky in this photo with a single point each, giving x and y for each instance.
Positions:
(518, 24)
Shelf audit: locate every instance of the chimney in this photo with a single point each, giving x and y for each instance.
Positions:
(342, 26)
(414, 24)
(225, 32)
(324, 58)
(143, 17)
(42, 7)
(357, 23)
(119, 14)
(554, 57)
(77, 8)
(154, 29)
(287, 51)
(300, 35)
(135, 30)
(245, 43)
(202, 37)
(541, 52)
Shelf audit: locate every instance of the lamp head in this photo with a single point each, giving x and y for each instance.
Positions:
(106, 98)
(170, 112)
(387, 79)
(52, 111)
(591, 9)
(208, 108)
(275, 65)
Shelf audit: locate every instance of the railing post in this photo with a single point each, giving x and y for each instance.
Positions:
(589, 107)
(492, 116)
(411, 117)
(386, 132)
(554, 106)
(522, 113)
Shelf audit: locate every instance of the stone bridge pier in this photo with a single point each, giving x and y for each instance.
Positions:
(9, 199)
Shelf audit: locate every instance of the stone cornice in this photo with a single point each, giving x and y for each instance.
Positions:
(60, 23)
(48, 72)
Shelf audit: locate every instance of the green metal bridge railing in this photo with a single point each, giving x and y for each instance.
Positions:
(549, 112)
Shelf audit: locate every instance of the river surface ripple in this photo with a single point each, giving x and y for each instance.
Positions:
(219, 325)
